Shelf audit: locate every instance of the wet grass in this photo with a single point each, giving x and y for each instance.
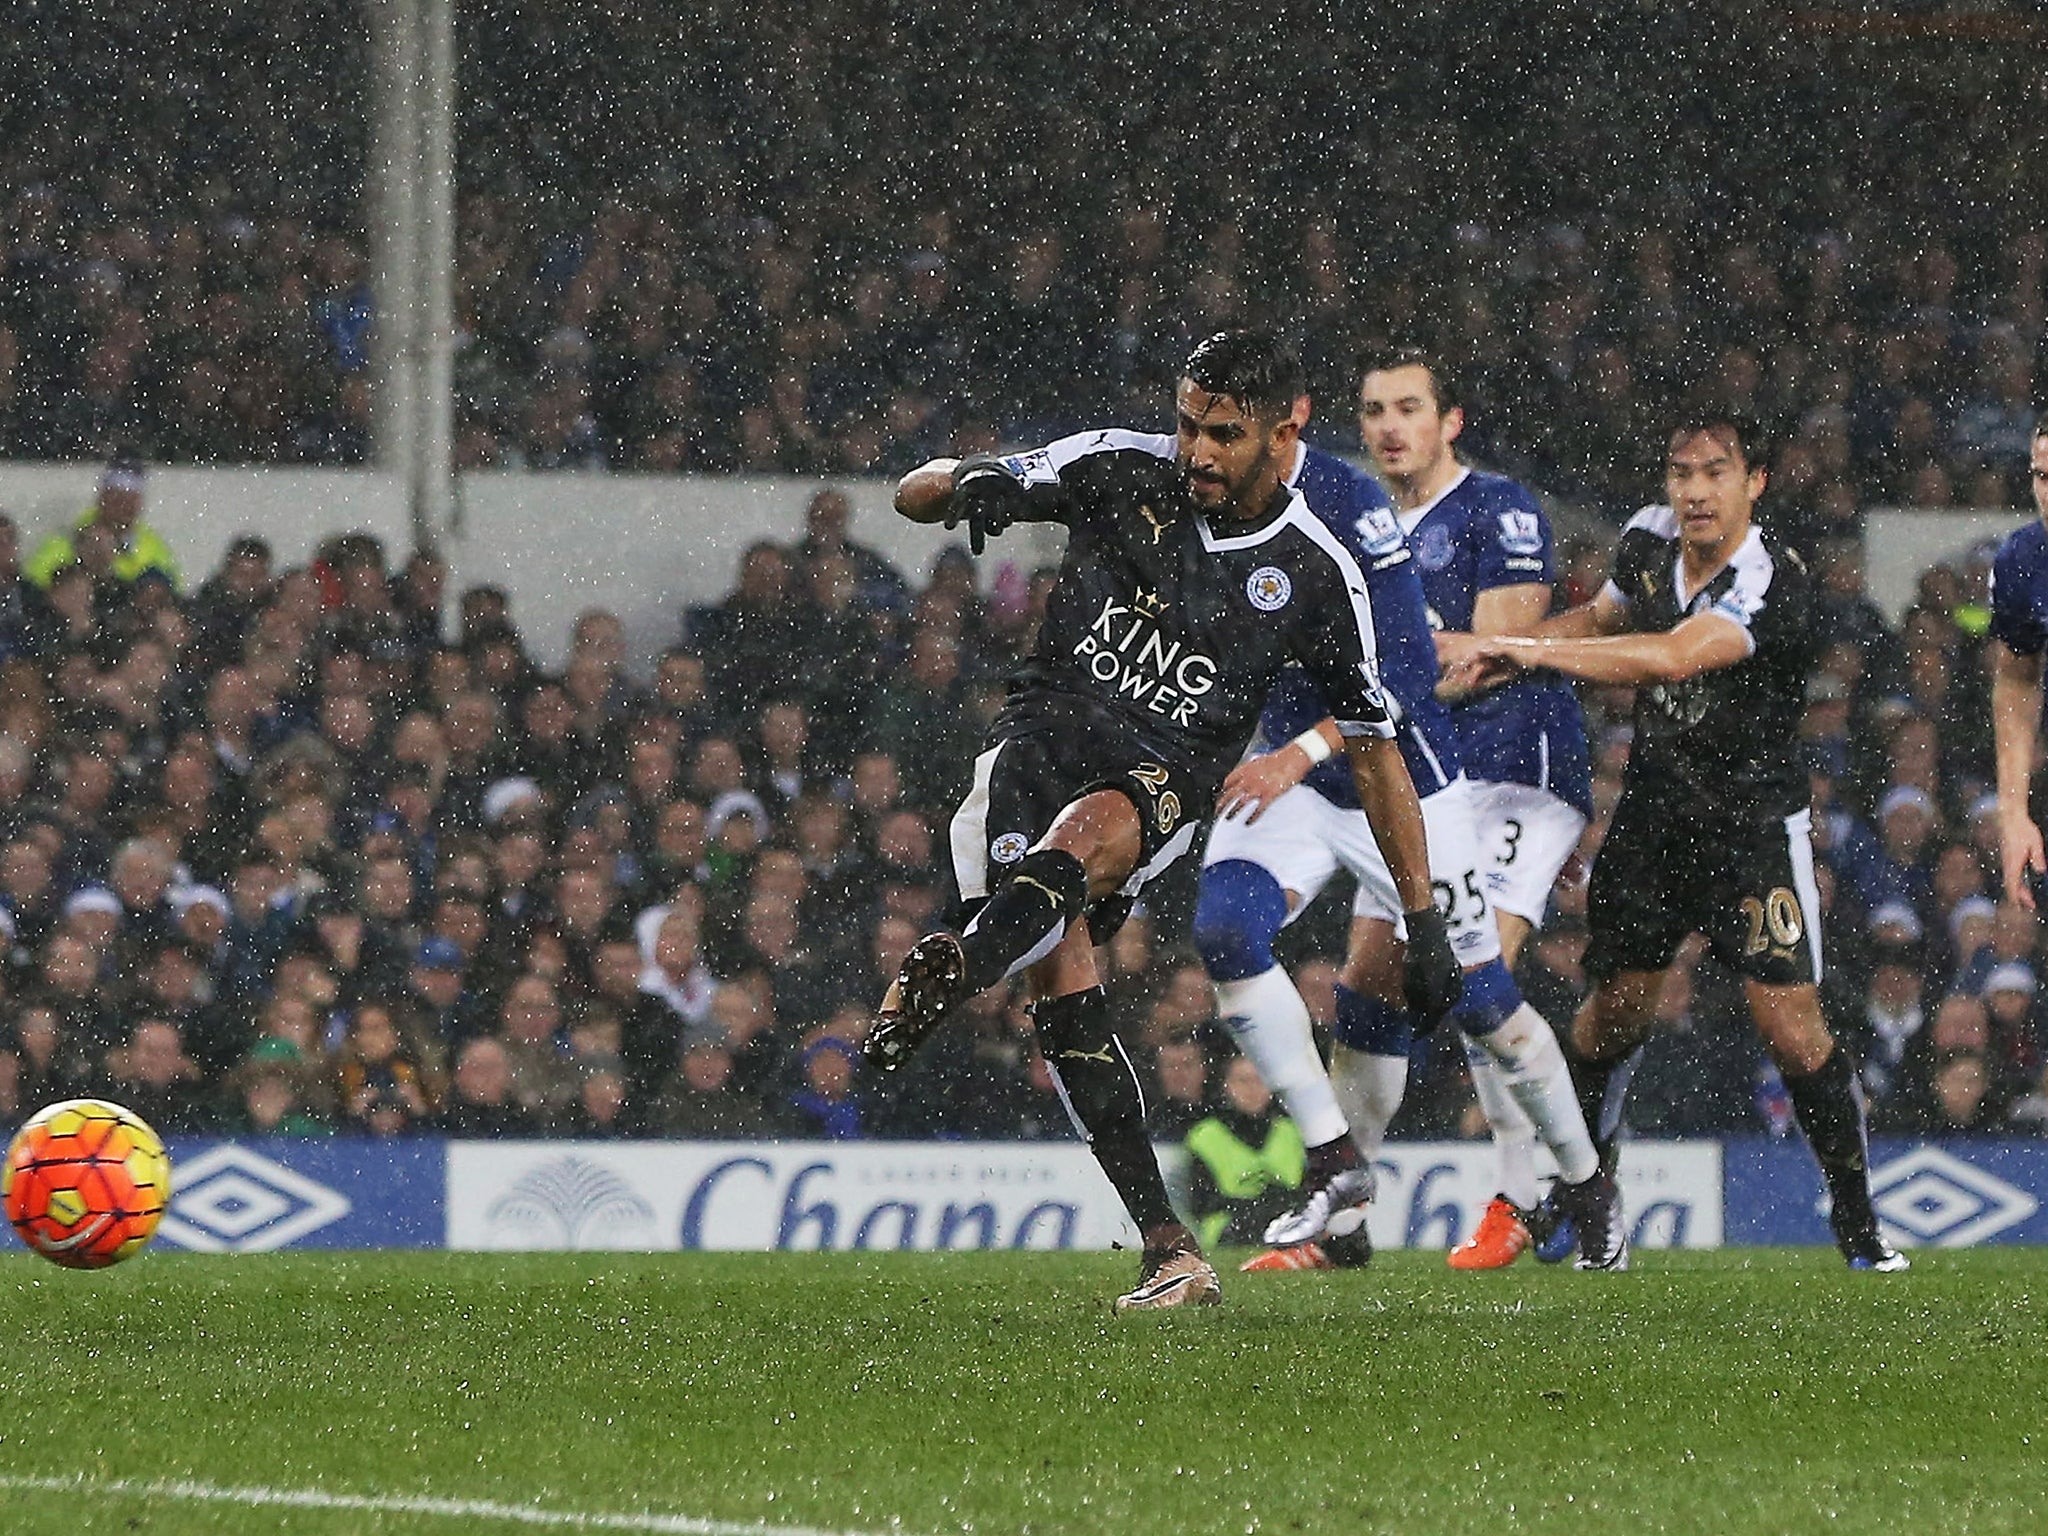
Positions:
(1749, 1390)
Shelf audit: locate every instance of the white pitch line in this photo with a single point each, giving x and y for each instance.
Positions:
(470, 1509)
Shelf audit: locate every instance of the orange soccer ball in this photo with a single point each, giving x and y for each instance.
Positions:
(85, 1183)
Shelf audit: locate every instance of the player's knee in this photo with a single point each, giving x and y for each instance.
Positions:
(1792, 1025)
(1613, 1021)
(1367, 1024)
(1059, 875)
(1239, 911)
(1489, 1000)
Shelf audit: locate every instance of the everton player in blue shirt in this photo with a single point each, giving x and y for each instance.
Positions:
(2019, 623)
(1280, 839)
(1483, 548)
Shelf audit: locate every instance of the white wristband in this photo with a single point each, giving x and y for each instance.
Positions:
(1315, 744)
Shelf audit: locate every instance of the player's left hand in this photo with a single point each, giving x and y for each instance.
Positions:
(1254, 784)
(1431, 979)
(1474, 663)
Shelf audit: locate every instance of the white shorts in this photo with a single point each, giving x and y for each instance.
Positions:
(1525, 837)
(1303, 840)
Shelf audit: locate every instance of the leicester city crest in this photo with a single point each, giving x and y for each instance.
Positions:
(1009, 848)
(1268, 588)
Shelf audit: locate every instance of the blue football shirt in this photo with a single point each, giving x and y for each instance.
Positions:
(1487, 531)
(2019, 590)
(1354, 507)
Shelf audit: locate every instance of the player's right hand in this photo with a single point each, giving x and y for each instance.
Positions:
(2021, 856)
(986, 497)
(1431, 979)
(1254, 784)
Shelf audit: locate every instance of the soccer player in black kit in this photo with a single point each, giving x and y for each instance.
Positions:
(1192, 576)
(1714, 625)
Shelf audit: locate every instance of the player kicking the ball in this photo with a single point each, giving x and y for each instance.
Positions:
(1193, 575)
(1713, 625)
(1287, 826)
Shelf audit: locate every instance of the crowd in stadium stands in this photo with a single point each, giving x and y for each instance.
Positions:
(706, 254)
(1899, 375)
(301, 851)
(321, 849)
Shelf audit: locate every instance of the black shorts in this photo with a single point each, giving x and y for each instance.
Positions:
(1749, 891)
(1028, 775)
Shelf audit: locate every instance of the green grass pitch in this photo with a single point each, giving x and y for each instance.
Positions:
(1741, 1391)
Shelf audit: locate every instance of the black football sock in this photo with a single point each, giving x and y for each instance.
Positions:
(1829, 1103)
(1332, 1157)
(1101, 1088)
(1602, 1087)
(1045, 892)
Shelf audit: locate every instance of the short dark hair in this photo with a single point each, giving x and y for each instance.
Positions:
(1381, 358)
(1752, 441)
(1257, 369)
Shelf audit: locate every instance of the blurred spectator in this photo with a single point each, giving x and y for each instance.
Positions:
(826, 1102)
(480, 1100)
(1245, 1160)
(132, 547)
(153, 1076)
(381, 1084)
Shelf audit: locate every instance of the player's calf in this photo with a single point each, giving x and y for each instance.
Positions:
(1102, 1093)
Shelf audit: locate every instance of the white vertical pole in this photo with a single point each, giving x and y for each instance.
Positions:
(395, 49)
(434, 503)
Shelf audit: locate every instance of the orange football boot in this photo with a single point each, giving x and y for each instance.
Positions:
(1300, 1256)
(1498, 1242)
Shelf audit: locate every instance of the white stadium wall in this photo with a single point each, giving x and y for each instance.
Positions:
(1899, 543)
(647, 545)
(643, 545)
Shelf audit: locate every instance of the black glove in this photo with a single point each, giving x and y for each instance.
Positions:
(986, 497)
(1431, 979)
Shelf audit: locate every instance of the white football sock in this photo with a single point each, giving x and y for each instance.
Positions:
(1369, 1090)
(1270, 1023)
(1536, 1075)
(1514, 1135)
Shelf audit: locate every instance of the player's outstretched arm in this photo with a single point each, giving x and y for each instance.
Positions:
(1255, 783)
(923, 494)
(2015, 717)
(981, 490)
(1706, 642)
(1515, 610)
(1470, 667)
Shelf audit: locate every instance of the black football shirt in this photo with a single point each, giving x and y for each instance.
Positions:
(1175, 630)
(1723, 746)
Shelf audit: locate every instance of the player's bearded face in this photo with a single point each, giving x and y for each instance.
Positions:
(1226, 457)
